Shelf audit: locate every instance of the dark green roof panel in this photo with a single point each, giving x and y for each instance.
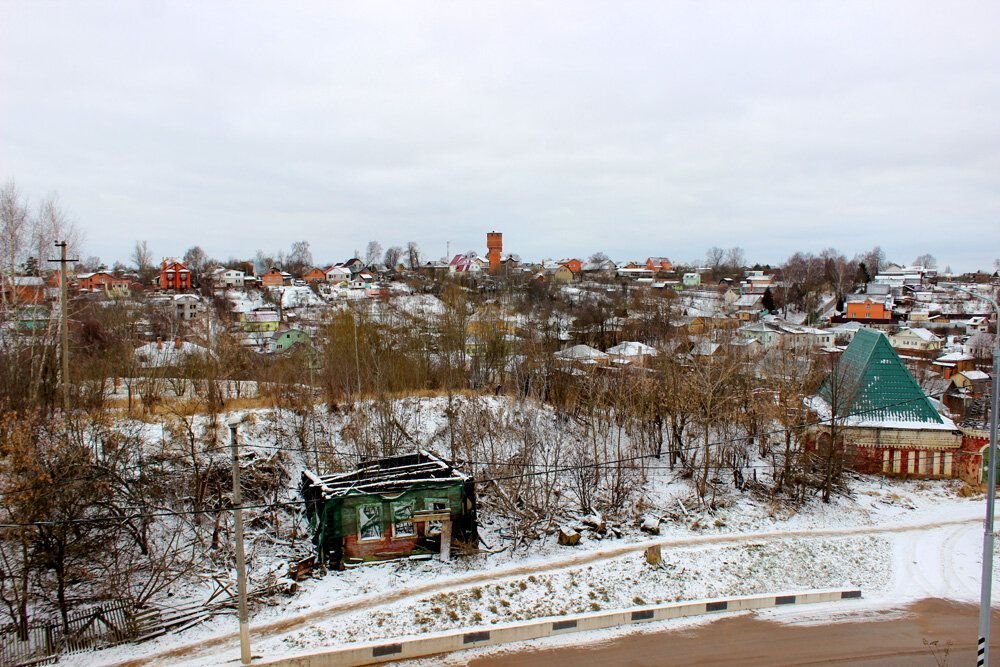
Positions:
(872, 383)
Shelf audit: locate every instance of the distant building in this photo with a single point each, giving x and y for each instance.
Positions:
(494, 250)
(656, 264)
(226, 278)
(174, 275)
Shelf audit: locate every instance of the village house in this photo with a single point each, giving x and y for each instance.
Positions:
(275, 277)
(188, 306)
(606, 267)
(561, 275)
(691, 279)
(748, 307)
(954, 362)
(261, 320)
(396, 507)
(916, 340)
(286, 340)
(338, 274)
(657, 264)
(631, 352)
(314, 275)
(174, 275)
(464, 264)
(573, 265)
(102, 281)
(23, 289)
(756, 282)
(228, 278)
(885, 424)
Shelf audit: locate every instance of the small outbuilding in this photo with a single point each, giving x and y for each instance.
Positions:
(396, 507)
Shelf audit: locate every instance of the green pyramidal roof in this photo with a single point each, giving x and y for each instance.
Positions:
(872, 384)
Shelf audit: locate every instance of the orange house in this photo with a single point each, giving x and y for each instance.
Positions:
(867, 310)
(573, 265)
(174, 275)
(315, 276)
(23, 289)
(658, 264)
(101, 281)
(275, 278)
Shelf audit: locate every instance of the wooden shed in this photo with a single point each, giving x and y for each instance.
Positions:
(395, 507)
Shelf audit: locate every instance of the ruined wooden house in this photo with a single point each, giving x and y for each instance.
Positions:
(404, 506)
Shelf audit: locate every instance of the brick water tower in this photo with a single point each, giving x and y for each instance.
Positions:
(494, 250)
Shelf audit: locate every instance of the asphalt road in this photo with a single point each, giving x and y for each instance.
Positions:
(929, 632)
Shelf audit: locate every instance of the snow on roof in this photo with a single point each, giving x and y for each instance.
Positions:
(581, 352)
(748, 300)
(632, 349)
(818, 405)
(976, 375)
(923, 334)
(955, 356)
(387, 475)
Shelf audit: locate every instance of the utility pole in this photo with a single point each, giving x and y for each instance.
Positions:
(241, 566)
(986, 584)
(63, 321)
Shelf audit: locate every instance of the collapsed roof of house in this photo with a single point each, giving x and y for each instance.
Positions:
(387, 475)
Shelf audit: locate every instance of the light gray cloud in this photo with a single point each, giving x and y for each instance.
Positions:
(631, 128)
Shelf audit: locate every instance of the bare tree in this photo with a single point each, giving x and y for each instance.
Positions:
(926, 260)
(50, 224)
(373, 253)
(299, 258)
(196, 259)
(874, 260)
(392, 256)
(142, 259)
(714, 258)
(413, 255)
(735, 259)
(13, 229)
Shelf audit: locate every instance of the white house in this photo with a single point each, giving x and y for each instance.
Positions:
(223, 277)
(917, 339)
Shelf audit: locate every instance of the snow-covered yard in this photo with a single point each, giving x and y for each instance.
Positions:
(401, 598)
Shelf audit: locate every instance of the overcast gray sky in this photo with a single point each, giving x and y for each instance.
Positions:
(633, 128)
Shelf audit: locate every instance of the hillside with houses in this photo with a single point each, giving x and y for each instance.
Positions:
(468, 411)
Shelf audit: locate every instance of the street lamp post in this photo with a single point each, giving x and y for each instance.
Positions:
(986, 590)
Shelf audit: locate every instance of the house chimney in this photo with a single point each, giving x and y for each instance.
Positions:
(159, 343)
(177, 343)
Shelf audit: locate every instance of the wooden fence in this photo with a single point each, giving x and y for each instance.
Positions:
(102, 626)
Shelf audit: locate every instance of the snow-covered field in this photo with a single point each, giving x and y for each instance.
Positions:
(403, 598)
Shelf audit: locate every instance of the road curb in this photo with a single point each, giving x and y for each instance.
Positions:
(404, 648)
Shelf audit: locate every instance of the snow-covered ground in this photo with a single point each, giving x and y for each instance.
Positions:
(402, 598)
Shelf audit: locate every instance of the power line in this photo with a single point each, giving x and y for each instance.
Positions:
(547, 471)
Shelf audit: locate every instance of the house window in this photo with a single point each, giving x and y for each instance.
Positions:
(438, 505)
(925, 462)
(370, 522)
(947, 464)
(913, 462)
(402, 520)
(886, 460)
(897, 461)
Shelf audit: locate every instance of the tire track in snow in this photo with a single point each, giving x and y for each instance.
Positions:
(442, 584)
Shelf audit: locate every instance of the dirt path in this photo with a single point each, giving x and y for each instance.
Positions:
(893, 639)
(195, 649)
